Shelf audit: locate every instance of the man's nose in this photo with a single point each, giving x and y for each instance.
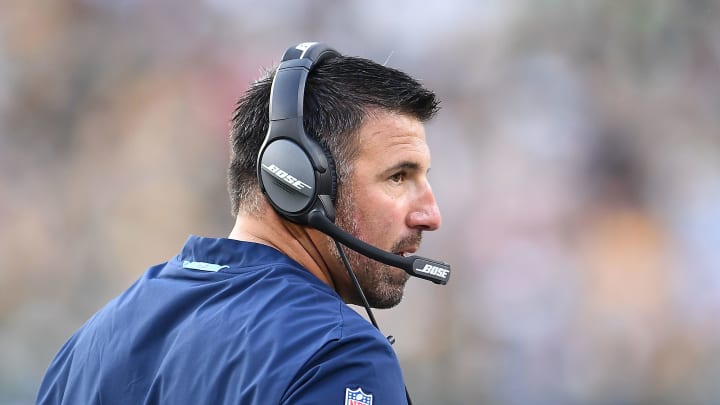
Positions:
(425, 214)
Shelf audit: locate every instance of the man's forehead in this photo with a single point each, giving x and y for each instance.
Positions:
(394, 140)
(390, 129)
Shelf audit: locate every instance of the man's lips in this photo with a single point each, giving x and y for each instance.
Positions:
(405, 252)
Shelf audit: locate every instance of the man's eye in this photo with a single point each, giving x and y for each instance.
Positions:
(398, 177)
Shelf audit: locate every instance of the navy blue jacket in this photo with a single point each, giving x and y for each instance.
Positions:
(225, 322)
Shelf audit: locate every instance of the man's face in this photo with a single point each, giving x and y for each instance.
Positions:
(387, 202)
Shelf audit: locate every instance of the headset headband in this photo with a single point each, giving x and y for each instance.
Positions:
(288, 88)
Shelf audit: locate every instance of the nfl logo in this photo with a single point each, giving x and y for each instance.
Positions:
(357, 397)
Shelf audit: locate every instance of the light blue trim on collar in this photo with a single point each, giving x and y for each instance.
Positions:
(203, 266)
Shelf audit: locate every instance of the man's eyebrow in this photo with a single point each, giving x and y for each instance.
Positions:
(406, 165)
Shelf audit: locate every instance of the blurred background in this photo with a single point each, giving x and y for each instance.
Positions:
(576, 160)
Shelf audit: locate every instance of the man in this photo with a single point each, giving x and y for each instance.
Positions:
(261, 317)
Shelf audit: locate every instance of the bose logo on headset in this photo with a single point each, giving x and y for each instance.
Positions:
(304, 46)
(287, 177)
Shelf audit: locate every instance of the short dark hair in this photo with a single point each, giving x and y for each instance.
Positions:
(340, 93)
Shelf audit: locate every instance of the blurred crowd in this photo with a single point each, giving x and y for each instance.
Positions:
(576, 160)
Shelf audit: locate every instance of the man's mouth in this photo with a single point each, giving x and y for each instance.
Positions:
(405, 253)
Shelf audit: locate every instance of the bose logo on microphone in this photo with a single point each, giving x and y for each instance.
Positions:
(287, 177)
(434, 271)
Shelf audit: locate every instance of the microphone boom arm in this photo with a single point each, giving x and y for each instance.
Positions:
(436, 271)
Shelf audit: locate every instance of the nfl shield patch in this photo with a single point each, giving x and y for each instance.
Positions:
(357, 397)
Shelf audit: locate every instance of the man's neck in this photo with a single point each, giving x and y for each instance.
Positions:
(293, 240)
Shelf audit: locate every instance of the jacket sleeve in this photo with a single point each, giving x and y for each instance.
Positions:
(361, 366)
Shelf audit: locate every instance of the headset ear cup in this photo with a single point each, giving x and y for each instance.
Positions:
(333, 174)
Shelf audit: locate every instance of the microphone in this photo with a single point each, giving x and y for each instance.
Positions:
(436, 271)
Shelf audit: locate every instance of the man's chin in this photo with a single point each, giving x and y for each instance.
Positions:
(389, 293)
(387, 299)
(386, 304)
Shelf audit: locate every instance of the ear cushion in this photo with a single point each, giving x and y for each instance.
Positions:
(333, 173)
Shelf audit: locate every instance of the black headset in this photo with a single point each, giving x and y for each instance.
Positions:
(297, 174)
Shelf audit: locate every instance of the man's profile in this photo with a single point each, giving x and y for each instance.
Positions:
(327, 144)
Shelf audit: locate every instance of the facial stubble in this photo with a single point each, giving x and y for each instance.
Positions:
(382, 285)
